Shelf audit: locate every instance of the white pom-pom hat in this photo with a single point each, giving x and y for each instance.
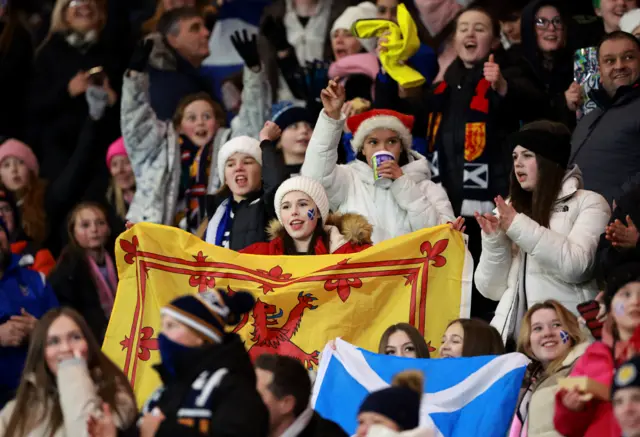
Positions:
(243, 144)
(308, 186)
(363, 124)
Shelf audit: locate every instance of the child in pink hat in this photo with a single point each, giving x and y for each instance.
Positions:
(19, 171)
(123, 182)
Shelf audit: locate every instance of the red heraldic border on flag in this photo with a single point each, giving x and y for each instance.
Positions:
(341, 278)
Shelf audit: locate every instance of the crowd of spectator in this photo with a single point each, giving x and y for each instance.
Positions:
(313, 127)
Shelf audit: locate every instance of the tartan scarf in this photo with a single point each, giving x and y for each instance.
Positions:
(194, 180)
(463, 105)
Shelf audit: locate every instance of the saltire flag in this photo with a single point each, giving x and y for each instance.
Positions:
(423, 278)
(463, 396)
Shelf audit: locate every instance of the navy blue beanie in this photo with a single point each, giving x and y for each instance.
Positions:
(210, 312)
(292, 114)
(400, 404)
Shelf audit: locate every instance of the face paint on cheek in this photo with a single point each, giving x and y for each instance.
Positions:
(618, 309)
(311, 214)
(564, 336)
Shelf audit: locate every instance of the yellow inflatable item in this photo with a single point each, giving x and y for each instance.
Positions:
(403, 42)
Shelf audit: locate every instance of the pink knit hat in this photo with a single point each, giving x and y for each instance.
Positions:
(116, 148)
(20, 150)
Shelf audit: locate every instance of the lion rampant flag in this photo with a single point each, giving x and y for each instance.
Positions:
(302, 302)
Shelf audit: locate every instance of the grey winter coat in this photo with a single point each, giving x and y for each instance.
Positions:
(605, 143)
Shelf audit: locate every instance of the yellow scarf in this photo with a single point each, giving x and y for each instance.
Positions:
(403, 42)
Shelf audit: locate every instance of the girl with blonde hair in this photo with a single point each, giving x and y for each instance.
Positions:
(551, 336)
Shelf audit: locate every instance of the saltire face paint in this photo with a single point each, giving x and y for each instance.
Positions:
(564, 336)
(311, 213)
(618, 308)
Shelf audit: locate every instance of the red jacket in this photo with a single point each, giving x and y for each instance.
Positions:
(598, 363)
(348, 233)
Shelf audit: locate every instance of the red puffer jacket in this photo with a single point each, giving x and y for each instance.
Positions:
(348, 233)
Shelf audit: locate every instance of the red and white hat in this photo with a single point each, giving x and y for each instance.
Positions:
(363, 124)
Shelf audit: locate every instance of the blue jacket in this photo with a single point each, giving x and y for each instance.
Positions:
(20, 288)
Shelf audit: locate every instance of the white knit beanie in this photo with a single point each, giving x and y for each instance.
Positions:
(243, 144)
(630, 21)
(362, 11)
(308, 186)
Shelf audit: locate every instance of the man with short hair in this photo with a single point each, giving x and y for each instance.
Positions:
(606, 142)
(180, 47)
(285, 388)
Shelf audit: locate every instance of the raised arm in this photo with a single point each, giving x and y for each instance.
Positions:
(321, 159)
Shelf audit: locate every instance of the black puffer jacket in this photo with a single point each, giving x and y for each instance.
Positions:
(232, 409)
(252, 215)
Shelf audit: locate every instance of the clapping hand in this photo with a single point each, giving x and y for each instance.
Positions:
(507, 213)
(333, 97)
(489, 223)
(621, 236)
(103, 426)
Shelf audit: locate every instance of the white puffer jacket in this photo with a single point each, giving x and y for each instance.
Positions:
(411, 203)
(560, 259)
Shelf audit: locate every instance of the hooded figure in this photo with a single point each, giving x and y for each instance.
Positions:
(549, 71)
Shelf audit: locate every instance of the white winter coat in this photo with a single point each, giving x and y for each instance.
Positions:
(560, 259)
(412, 202)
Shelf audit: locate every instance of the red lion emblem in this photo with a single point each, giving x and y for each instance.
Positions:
(278, 340)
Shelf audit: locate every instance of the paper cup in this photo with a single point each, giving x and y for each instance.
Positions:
(376, 161)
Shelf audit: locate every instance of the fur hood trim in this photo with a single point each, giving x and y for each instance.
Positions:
(354, 228)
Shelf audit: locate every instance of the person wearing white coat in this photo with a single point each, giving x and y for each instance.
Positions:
(542, 243)
(404, 199)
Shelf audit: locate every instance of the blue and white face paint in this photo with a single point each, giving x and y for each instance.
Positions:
(311, 214)
(564, 336)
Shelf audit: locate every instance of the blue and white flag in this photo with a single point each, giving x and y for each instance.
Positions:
(464, 396)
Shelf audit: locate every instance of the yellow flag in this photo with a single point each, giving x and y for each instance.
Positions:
(302, 302)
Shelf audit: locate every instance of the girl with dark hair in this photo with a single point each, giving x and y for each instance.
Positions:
(305, 227)
(547, 63)
(85, 276)
(470, 338)
(388, 183)
(542, 243)
(552, 338)
(403, 340)
(66, 381)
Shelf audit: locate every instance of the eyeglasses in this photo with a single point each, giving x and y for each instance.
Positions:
(543, 23)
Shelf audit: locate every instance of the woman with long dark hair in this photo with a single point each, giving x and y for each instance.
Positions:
(403, 340)
(66, 380)
(542, 243)
(305, 227)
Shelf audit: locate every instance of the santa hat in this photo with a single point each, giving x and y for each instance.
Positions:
(243, 144)
(116, 149)
(630, 21)
(308, 186)
(20, 150)
(210, 312)
(363, 124)
(362, 11)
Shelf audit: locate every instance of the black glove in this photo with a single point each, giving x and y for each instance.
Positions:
(247, 48)
(273, 29)
(140, 57)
